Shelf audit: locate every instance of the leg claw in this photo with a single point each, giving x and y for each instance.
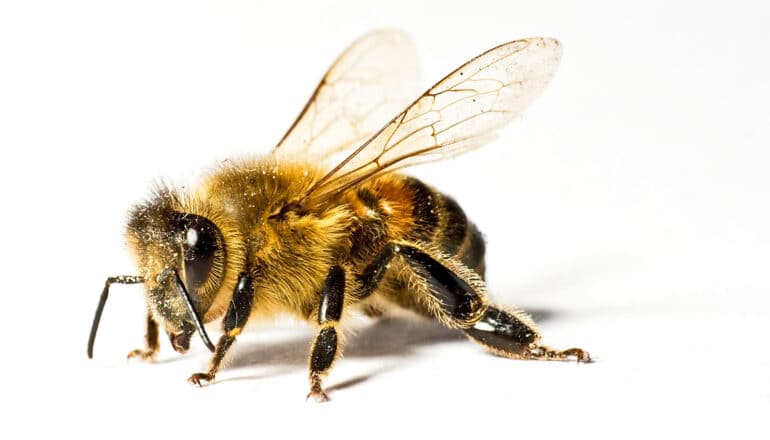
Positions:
(544, 353)
(144, 355)
(200, 378)
(317, 395)
(580, 355)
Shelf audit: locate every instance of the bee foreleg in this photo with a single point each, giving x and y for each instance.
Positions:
(325, 348)
(235, 319)
(151, 342)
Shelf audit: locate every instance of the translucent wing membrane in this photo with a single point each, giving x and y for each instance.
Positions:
(460, 113)
(377, 76)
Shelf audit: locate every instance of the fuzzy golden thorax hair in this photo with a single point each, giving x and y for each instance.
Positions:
(289, 251)
(236, 215)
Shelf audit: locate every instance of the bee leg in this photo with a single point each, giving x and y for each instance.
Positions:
(235, 319)
(325, 348)
(151, 339)
(541, 352)
(373, 273)
(512, 334)
(455, 296)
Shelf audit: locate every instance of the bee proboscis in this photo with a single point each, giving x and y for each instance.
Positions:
(291, 233)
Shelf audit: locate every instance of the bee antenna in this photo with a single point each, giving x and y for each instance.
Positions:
(193, 313)
(122, 279)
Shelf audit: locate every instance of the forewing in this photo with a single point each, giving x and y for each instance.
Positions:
(461, 112)
(377, 76)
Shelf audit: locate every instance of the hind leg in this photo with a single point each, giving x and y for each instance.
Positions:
(430, 283)
(513, 335)
(441, 287)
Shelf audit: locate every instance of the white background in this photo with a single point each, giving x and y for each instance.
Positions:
(627, 210)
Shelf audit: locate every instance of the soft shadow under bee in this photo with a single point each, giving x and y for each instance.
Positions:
(396, 337)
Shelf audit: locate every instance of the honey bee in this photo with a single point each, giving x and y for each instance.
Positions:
(294, 233)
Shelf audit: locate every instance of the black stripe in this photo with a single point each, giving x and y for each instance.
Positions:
(455, 226)
(473, 251)
(370, 200)
(424, 209)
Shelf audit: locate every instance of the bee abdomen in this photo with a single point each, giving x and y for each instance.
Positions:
(426, 210)
(454, 226)
(440, 220)
(403, 208)
(472, 250)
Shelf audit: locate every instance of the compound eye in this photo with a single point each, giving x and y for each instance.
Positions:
(203, 250)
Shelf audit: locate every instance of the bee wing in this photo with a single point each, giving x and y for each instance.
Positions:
(371, 80)
(461, 112)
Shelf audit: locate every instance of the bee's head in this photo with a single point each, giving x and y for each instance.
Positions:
(182, 255)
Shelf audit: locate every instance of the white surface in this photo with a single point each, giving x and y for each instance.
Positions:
(628, 208)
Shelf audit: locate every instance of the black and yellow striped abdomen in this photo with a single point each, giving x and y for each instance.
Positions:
(402, 208)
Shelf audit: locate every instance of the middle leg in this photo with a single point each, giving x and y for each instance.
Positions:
(443, 288)
(325, 345)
